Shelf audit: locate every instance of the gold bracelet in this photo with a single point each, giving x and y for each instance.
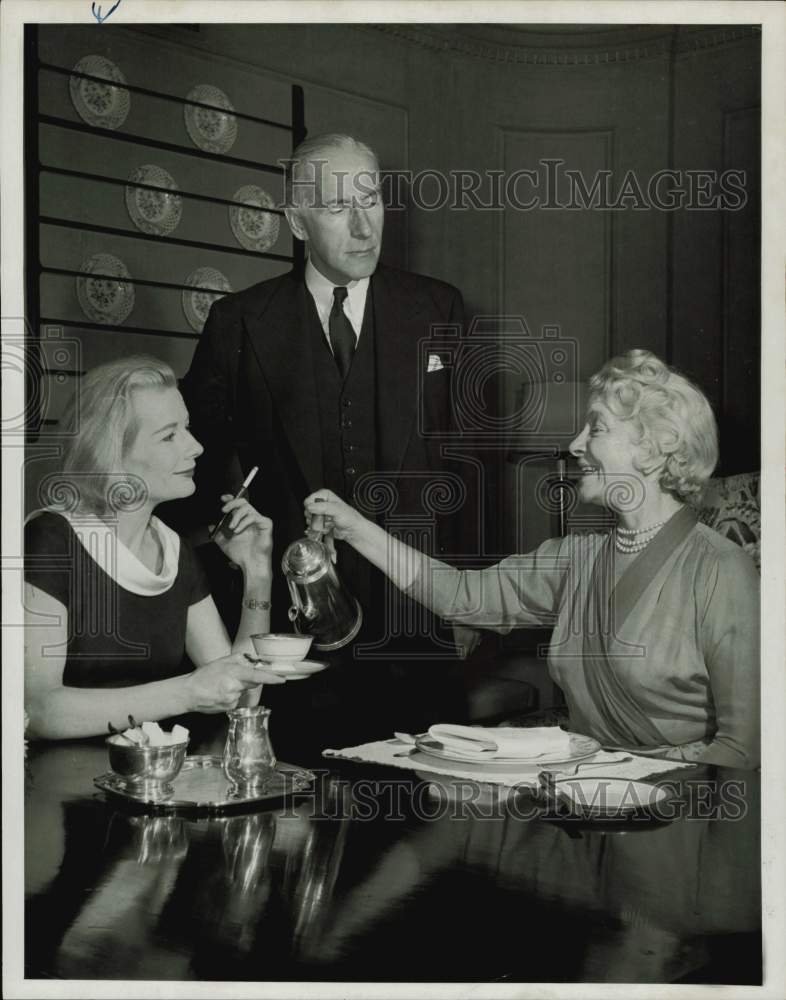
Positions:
(254, 605)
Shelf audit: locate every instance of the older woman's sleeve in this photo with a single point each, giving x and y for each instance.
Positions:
(520, 590)
(731, 652)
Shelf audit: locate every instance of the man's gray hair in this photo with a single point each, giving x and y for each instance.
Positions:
(311, 151)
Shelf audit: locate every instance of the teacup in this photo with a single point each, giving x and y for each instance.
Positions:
(278, 647)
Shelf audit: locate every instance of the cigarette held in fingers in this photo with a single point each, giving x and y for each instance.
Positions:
(242, 492)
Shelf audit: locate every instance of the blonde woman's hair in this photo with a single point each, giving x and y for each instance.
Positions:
(673, 417)
(102, 424)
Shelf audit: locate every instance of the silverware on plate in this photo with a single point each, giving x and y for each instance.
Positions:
(563, 772)
(409, 739)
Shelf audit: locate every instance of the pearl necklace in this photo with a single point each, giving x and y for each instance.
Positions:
(626, 541)
(640, 531)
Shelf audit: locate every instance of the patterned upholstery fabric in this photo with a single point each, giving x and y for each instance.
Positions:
(732, 506)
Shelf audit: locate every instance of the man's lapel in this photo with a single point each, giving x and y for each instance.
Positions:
(400, 322)
(280, 346)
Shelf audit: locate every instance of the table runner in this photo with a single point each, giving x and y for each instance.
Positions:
(384, 752)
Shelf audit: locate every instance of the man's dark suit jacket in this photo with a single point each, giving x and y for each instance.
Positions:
(252, 399)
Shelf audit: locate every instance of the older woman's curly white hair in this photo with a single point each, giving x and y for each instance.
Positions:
(674, 419)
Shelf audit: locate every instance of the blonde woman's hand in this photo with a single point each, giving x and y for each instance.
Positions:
(247, 537)
(219, 685)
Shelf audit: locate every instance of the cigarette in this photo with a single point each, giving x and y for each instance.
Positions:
(249, 479)
(241, 492)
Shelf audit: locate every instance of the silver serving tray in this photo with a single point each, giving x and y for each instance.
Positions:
(202, 787)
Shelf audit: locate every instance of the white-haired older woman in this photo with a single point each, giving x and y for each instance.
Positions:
(114, 598)
(655, 641)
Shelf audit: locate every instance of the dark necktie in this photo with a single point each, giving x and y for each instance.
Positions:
(342, 336)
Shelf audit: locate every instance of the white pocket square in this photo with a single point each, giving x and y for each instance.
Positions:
(434, 363)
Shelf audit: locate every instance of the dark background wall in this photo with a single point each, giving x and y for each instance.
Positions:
(479, 97)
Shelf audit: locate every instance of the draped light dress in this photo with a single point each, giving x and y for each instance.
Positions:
(664, 661)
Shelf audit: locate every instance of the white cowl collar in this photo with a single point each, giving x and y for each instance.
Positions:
(103, 546)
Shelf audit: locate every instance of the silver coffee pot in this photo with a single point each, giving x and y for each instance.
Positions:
(321, 607)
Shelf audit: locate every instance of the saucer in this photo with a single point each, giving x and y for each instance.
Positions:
(604, 797)
(295, 671)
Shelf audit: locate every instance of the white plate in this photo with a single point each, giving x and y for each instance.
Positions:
(196, 302)
(108, 299)
(295, 671)
(606, 796)
(155, 212)
(99, 103)
(580, 748)
(254, 230)
(210, 129)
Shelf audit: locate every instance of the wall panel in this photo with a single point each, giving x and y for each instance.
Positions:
(81, 163)
(684, 283)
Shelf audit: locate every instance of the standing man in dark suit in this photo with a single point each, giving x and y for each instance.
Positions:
(325, 379)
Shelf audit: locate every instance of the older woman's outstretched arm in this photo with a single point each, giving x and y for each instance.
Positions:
(410, 570)
(521, 590)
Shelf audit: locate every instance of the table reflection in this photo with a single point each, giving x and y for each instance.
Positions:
(313, 873)
(159, 838)
(648, 895)
(328, 888)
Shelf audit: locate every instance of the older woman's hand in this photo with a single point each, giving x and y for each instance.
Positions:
(342, 520)
(247, 538)
(219, 685)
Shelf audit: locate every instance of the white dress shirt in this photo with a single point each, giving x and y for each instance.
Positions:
(321, 289)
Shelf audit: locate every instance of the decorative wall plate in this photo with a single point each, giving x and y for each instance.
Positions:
(254, 230)
(211, 130)
(156, 212)
(197, 303)
(99, 103)
(107, 299)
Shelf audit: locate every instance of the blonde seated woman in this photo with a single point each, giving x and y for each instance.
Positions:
(113, 597)
(655, 643)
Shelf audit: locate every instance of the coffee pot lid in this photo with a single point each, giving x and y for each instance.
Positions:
(304, 556)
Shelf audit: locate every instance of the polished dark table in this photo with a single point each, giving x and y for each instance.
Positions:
(380, 875)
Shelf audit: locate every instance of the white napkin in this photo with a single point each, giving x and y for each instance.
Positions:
(483, 743)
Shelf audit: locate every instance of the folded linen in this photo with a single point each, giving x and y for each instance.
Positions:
(486, 743)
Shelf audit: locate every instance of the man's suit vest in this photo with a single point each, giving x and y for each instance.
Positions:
(348, 425)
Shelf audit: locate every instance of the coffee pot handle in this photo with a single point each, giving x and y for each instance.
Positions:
(316, 527)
